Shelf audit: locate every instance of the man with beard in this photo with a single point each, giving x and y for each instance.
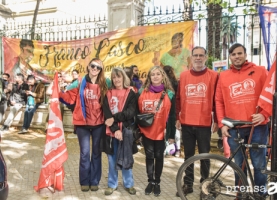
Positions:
(17, 100)
(34, 94)
(135, 77)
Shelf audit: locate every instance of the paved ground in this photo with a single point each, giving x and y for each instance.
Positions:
(23, 154)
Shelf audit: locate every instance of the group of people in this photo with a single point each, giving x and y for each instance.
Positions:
(104, 111)
(27, 93)
(193, 105)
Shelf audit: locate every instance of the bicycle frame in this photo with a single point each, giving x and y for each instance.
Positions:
(243, 149)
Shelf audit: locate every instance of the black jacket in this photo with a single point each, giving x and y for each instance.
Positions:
(18, 93)
(127, 115)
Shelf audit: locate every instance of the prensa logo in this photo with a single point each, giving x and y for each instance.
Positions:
(150, 105)
(242, 88)
(196, 90)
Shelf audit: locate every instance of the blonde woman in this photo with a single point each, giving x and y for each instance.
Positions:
(119, 111)
(153, 137)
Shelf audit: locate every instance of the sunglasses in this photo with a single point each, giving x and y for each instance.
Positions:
(97, 67)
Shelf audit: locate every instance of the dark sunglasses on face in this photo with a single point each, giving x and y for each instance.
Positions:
(97, 67)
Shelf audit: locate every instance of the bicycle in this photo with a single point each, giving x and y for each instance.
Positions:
(220, 175)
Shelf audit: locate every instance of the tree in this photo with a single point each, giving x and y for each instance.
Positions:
(34, 20)
(229, 32)
(213, 21)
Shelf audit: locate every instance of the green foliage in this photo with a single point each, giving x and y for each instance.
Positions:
(210, 61)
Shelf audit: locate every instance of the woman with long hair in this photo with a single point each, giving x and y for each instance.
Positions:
(155, 85)
(172, 134)
(119, 112)
(88, 118)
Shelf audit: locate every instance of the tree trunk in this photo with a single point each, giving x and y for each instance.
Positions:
(214, 18)
(34, 20)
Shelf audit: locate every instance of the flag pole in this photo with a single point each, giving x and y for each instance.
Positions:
(274, 131)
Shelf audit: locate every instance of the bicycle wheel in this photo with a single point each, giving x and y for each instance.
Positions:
(204, 185)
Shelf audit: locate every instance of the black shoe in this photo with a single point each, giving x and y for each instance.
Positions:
(187, 189)
(157, 189)
(149, 188)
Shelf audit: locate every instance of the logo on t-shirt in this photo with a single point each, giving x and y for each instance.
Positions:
(90, 95)
(243, 88)
(196, 90)
(151, 105)
(114, 104)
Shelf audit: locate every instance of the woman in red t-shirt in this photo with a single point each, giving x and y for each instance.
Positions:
(153, 137)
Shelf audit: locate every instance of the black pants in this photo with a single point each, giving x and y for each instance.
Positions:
(190, 135)
(154, 151)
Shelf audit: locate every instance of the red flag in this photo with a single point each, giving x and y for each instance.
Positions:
(266, 97)
(55, 151)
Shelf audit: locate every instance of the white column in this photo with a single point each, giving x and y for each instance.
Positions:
(124, 13)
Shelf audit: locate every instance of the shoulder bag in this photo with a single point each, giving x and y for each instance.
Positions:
(146, 119)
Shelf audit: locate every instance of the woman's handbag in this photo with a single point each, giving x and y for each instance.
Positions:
(146, 119)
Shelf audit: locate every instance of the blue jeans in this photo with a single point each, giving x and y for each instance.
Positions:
(90, 165)
(258, 156)
(127, 175)
(28, 116)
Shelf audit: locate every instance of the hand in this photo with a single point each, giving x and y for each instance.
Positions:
(28, 92)
(6, 90)
(13, 102)
(178, 125)
(257, 119)
(109, 121)
(171, 141)
(118, 135)
(225, 132)
(215, 127)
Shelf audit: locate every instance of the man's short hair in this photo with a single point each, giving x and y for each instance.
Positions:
(75, 70)
(198, 47)
(236, 45)
(6, 75)
(21, 76)
(30, 77)
(24, 43)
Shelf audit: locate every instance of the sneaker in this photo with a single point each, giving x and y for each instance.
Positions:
(109, 191)
(94, 187)
(23, 131)
(2, 128)
(131, 190)
(84, 188)
(178, 153)
(186, 189)
(149, 188)
(6, 129)
(157, 189)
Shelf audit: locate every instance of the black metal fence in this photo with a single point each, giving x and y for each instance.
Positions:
(57, 29)
(218, 28)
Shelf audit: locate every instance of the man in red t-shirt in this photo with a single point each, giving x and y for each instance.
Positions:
(194, 107)
(237, 95)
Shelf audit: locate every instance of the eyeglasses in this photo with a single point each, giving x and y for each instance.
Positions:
(198, 55)
(97, 67)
